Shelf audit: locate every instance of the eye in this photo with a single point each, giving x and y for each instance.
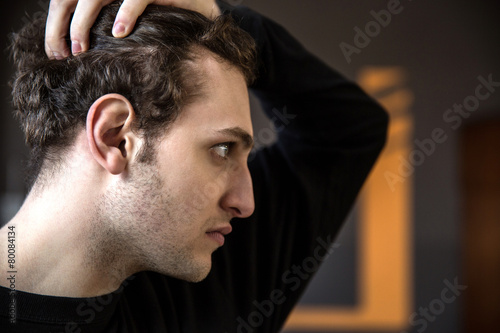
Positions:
(222, 150)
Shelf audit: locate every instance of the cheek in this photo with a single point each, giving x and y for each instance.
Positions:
(196, 184)
(205, 193)
(199, 191)
(196, 197)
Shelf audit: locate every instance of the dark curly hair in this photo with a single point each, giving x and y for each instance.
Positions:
(151, 68)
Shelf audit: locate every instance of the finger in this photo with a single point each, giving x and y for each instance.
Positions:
(127, 15)
(86, 13)
(56, 28)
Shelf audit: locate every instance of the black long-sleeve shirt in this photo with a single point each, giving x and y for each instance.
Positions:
(329, 135)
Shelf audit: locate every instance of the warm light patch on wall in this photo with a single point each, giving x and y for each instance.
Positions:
(385, 223)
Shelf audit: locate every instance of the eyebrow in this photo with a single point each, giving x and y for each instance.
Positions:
(240, 134)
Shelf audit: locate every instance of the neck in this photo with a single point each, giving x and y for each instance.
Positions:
(61, 248)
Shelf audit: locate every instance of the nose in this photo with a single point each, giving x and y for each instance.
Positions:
(239, 200)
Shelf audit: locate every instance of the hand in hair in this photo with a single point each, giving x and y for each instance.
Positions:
(86, 12)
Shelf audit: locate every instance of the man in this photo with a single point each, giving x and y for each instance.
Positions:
(139, 172)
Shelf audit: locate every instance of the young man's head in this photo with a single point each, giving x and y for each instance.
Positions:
(150, 134)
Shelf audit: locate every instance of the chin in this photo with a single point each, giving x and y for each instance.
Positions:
(200, 275)
(197, 279)
(196, 272)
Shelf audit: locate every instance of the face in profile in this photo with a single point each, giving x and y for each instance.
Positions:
(174, 213)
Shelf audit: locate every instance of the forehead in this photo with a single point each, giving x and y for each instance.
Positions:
(223, 102)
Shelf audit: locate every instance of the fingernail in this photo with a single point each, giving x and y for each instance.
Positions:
(118, 29)
(76, 47)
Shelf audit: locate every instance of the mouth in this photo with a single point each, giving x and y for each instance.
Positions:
(217, 234)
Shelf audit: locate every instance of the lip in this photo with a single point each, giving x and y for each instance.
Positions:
(217, 234)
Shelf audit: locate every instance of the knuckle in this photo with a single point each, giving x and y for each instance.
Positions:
(76, 34)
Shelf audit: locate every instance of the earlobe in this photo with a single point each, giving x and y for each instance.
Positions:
(109, 132)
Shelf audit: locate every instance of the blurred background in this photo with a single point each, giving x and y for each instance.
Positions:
(420, 251)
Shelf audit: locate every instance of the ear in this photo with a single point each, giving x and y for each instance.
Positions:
(109, 132)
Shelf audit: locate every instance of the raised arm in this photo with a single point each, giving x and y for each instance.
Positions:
(330, 134)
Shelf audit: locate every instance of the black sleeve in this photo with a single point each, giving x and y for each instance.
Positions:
(330, 134)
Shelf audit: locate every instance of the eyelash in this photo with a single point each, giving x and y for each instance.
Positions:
(227, 146)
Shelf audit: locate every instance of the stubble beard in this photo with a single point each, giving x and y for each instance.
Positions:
(143, 219)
